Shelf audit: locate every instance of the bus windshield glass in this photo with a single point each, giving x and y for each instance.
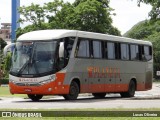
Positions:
(34, 58)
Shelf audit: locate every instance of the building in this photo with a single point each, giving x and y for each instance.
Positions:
(5, 32)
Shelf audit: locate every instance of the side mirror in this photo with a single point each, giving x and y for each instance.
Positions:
(61, 50)
(8, 48)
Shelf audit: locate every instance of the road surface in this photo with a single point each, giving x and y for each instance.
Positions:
(144, 99)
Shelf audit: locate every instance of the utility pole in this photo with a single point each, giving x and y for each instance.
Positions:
(15, 18)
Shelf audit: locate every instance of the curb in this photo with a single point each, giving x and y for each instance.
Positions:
(146, 97)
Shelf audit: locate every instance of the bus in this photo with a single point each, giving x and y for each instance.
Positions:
(70, 62)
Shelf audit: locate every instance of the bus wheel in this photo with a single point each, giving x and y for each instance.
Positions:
(131, 90)
(73, 91)
(35, 97)
(99, 95)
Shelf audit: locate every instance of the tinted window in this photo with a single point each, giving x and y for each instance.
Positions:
(134, 52)
(97, 49)
(124, 52)
(147, 53)
(111, 50)
(83, 48)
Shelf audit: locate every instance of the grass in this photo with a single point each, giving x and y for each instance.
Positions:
(85, 118)
(4, 92)
(53, 111)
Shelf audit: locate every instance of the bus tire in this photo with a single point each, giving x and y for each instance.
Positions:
(35, 97)
(99, 95)
(131, 90)
(73, 91)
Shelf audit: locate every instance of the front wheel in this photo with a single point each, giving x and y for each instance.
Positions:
(73, 91)
(35, 97)
(131, 90)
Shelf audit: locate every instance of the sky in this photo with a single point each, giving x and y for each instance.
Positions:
(127, 12)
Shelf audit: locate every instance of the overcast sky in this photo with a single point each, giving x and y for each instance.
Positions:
(127, 12)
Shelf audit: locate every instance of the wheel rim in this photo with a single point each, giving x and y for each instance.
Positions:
(72, 91)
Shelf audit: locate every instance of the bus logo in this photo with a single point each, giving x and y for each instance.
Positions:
(107, 72)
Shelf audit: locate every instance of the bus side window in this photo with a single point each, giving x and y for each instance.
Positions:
(83, 48)
(124, 51)
(65, 51)
(134, 52)
(111, 50)
(147, 53)
(97, 49)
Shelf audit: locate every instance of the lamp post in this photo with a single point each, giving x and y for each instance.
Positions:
(15, 18)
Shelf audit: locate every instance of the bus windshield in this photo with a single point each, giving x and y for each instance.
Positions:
(34, 58)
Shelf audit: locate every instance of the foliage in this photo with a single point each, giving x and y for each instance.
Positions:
(7, 65)
(4, 81)
(85, 15)
(155, 12)
(148, 30)
(33, 13)
(2, 43)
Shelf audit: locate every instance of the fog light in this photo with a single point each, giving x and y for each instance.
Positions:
(49, 89)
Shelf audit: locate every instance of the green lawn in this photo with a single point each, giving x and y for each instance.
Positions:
(86, 118)
(4, 92)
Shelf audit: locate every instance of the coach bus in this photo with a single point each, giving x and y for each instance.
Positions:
(69, 62)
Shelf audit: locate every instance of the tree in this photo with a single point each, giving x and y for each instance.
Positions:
(86, 15)
(148, 30)
(2, 43)
(33, 13)
(94, 16)
(155, 12)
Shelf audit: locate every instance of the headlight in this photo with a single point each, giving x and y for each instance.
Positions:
(45, 82)
(51, 78)
(10, 80)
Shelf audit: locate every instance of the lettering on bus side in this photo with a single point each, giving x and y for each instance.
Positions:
(107, 72)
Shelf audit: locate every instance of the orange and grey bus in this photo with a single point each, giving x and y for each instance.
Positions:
(69, 62)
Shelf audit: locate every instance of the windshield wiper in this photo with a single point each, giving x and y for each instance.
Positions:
(23, 67)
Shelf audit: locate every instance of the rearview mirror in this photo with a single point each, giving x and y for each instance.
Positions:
(8, 48)
(61, 50)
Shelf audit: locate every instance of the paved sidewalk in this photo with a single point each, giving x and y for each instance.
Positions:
(154, 93)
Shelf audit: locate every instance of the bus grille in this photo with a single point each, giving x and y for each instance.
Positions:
(27, 84)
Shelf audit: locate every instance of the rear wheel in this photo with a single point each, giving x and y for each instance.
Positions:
(35, 97)
(131, 90)
(73, 91)
(99, 95)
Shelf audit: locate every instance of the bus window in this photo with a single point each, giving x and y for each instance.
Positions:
(124, 52)
(65, 49)
(147, 53)
(111, 50)
(83, 49)
(97, 49)
(134, 52)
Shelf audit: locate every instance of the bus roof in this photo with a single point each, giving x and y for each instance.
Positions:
(61, 33)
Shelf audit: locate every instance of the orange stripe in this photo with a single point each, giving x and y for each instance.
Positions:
(112, 88)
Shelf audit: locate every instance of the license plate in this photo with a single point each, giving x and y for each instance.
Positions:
(28, 90)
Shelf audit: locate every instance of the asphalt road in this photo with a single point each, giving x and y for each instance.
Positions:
(144, 99)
